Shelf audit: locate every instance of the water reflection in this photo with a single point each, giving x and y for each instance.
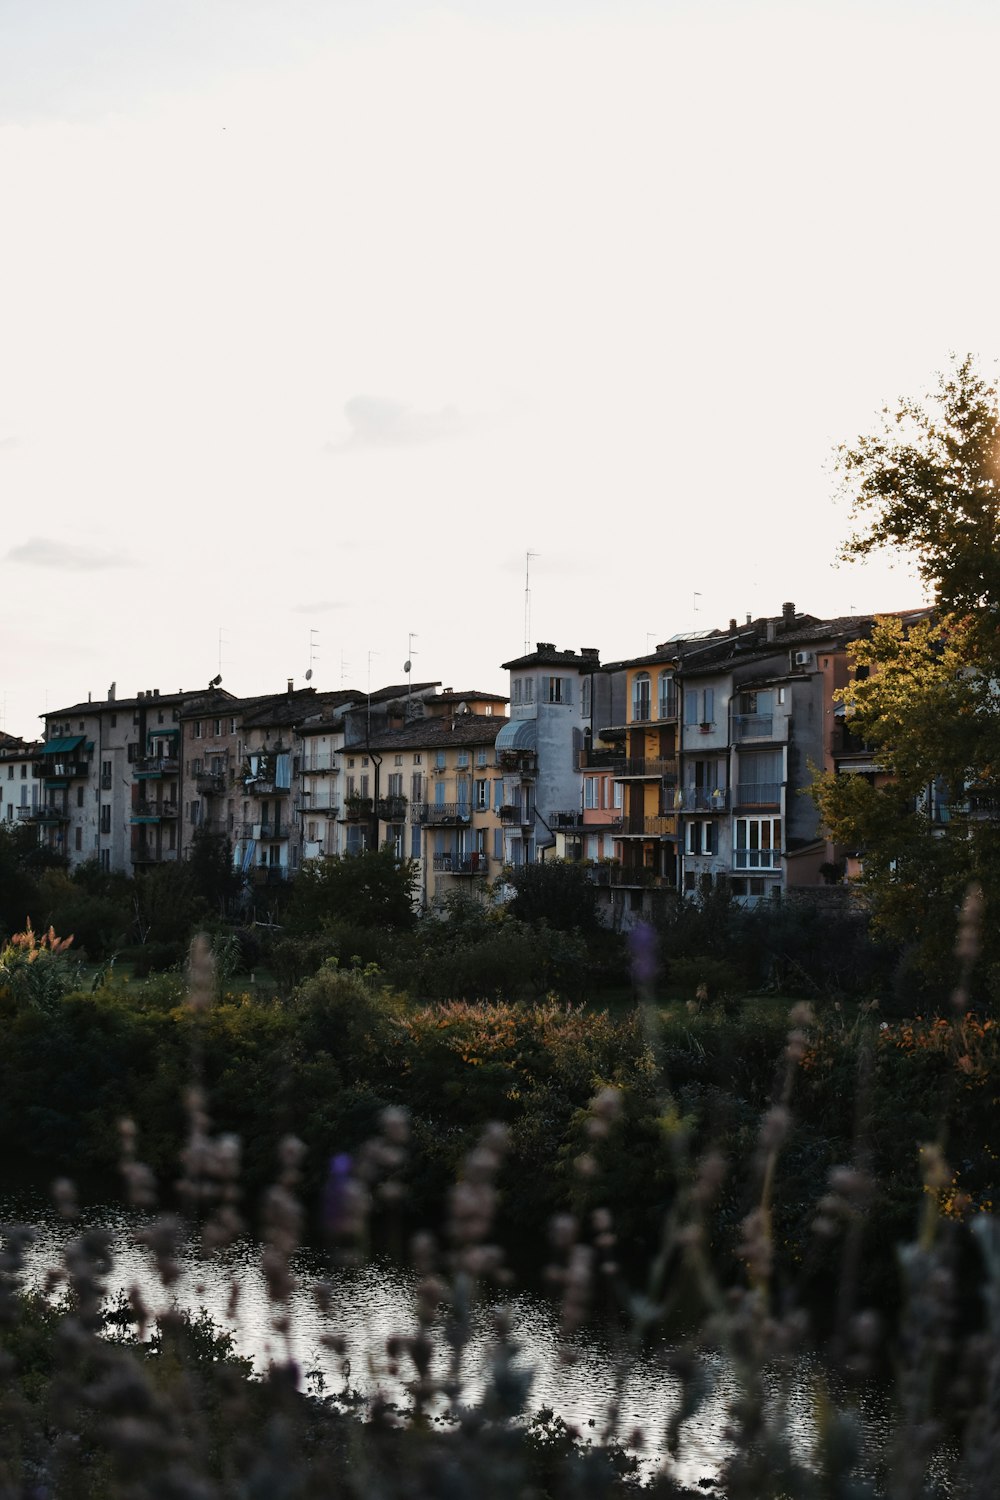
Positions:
(369, 1304)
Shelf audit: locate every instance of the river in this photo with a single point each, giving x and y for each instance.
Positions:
(372, 1302)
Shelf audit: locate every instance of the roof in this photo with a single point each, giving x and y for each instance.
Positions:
(449, 695)
(587, 659)
(422, 734)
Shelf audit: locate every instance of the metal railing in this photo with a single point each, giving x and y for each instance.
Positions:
(616, 875)
(210, 783)
(600, 760)
(651, 825)
(514, 813)
(392, 809)
(757, 727)
(444, 812)
(702, 799)
(642, 766)
(475, 863)
(756, 859)
(320, 765)
(157, 765)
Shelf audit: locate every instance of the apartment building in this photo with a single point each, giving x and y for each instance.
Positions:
(20, 786)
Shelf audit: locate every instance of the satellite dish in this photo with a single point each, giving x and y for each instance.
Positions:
(309, 675)
(407, 665)
(215, 681)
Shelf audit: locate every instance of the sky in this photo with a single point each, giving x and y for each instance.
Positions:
(317, 318)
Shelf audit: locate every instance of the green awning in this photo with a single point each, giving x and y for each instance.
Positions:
(62, 747)
(161, 732)
(143, 818)
(51, 781)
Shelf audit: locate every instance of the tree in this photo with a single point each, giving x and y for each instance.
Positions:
(558, 892)
(927, 695)
(373, 889)
(928, 483)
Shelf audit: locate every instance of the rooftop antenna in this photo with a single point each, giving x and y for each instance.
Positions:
(313, 652)
(694, 602)
(527, 600)
(222, 641)
(408, 669)
(343, 667)
(370, 655)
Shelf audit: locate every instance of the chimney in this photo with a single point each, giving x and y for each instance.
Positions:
(788, 616)
(156, 692)
(749, 618)
(772, 629)
(732, 626)
(290, 681)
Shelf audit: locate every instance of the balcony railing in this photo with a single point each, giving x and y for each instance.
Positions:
(150, 854)
(443, 812)
(515, 813)
(210, 783)
(652, 825)
(50, 814)
(600, 760)
(392, 809)
(634, 767)
(702, 799)
(758, 794)
(61, 770)
(524, 761)
(758, 727)
(357, 809)
(616, 875)
(264, 786)
(143, 810)
(310, 808)
(27, 814)
(157, 765)
(462, 864)
(321, 765)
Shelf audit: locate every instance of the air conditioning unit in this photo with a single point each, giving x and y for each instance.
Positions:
(801, 658)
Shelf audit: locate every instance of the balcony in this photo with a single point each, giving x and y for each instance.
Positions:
(615, 875)
(268, 874)
(600, 760)
(702, 799)
(565, 820)
(759, 727)
(264, 786)
(210, 783)
(152, 854)
(524, 762)
(27, 814)
(758, 794)
(357, 809)
(152, 812)
(514, 814)
(392, 809)
(157, 765)
(475, 863)
(63, 770)
(440, 814)
(638, 768)
(50, 814)
(651, 826)
(321, 765)
(312, 808)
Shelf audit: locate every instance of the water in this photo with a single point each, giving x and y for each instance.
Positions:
(371, 1303)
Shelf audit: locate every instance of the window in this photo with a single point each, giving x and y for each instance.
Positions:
(482, 796)
(516, 690)
(79, 796)
(130, 753)
(666, 696)
(397, 760)
(586, 687)
(463, 758)
(396, 783)
(557, 689)
(701, 837)
(591, 791)
(78, 838)
(364, 760)
(106, 818)
(24, 772)
(529, 690)
(619, 799)
(757, 844)
(350, 784)
(482, 757)
(640, 696)
(197, 729)
(114, 721)
(217, 728)
(440, 760)
(350, 762)
(414, 840)
(418, 759)
(364, 783)
(10, 773)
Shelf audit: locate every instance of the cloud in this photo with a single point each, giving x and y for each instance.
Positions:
(46, 552)
(381, 422)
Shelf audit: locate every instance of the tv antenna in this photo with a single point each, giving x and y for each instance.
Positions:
(408, 668)
(222, 642)
(313, 653)
(527, 600)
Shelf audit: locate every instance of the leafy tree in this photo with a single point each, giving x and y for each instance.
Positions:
(372, 889)
(558, 892)
(211, 865)
(928, 483)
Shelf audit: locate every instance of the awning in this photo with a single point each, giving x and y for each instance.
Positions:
(50, 781)
(518, 734)
(161, 732)
(62, 747)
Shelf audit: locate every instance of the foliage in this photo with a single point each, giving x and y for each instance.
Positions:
(36, 972)
(558, 892)
(22, 862)
(372, 889)
(927, 483)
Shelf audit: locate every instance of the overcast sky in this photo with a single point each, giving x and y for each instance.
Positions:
(316, 317)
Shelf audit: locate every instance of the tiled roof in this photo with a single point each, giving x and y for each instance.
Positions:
(423, 734)
(546, 655)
